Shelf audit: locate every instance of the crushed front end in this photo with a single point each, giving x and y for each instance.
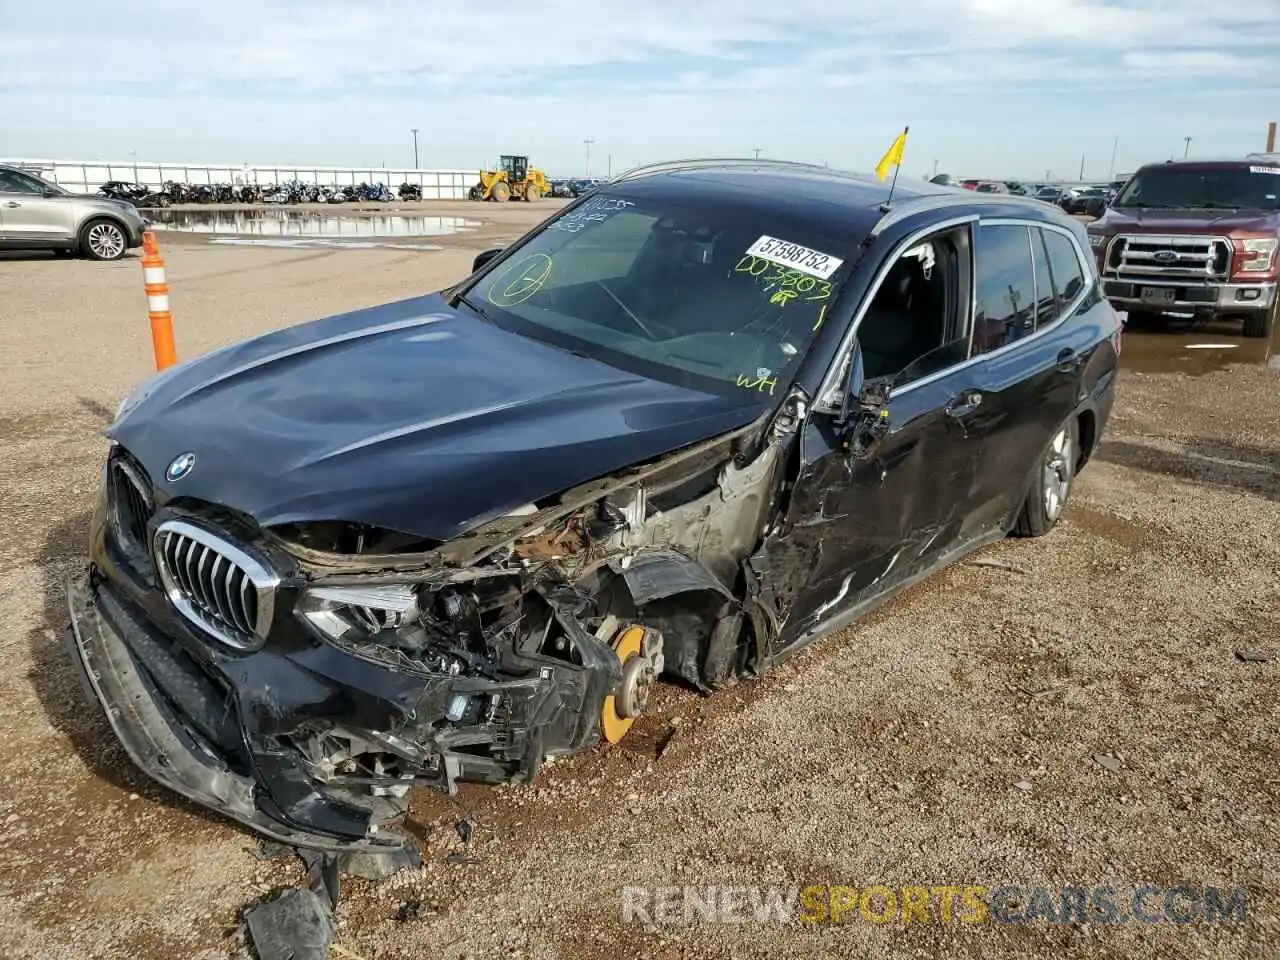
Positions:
(301, 678)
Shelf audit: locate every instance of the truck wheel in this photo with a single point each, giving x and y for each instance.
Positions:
(500, 192)
(1054, 474)
(1260, 323)
(102, 240)
(532, 193)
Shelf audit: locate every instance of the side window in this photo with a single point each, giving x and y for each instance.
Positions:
(11, 182)
(1005, 287)
(1068, 278)
(1046, 302)
(913, 326)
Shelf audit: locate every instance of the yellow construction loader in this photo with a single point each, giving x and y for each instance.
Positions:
(513, 180)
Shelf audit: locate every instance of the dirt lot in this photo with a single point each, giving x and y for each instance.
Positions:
(949, 739)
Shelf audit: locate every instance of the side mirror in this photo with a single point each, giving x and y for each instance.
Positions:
(50, 192)
(483, 258)
(865, 412)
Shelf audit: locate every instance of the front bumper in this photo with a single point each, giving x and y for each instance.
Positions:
(230, 730)
(1188, 296)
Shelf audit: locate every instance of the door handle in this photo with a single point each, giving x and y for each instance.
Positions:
(964, 404)
(13, 203)
(1068, 360)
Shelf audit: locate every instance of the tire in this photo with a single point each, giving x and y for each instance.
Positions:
(103, 239)
(532, 193)
(1054, 474)
(1261, 323)
(500, 193)
(476, 193)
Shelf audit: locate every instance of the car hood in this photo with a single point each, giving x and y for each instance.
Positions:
(411, 416)
(1189, 221)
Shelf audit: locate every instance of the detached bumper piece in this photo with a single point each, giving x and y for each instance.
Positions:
(183, 737)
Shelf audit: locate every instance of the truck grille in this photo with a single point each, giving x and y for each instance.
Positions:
(215, 585)
(1155, 257)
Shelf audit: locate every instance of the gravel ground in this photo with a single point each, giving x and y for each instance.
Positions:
(950, 739)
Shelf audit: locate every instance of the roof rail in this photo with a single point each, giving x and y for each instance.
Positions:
(913, 205)
(672, 166)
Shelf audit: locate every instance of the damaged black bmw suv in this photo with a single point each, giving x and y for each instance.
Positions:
(701, 417)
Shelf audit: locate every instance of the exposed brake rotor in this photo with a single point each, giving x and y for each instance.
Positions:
(640, 651)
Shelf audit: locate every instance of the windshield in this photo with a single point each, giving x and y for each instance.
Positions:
(713, 296)
(1241, 187)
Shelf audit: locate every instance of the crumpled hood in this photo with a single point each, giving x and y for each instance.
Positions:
(411, 416)
(1185, 221)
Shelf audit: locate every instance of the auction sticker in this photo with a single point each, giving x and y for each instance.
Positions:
(1274, 170)
(813, 262)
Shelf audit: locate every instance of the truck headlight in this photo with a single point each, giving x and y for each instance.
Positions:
(1256, 254)
(1096, 240)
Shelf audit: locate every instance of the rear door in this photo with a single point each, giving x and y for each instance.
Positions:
(1029, 282)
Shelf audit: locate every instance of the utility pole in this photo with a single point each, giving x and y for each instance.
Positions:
(588, 143)
(1048, 176)
(1186, 147)
(1082, 168)
(1111, 171)
(757, 152)
(935, 168)
(1271, 137)
(611, 166)
(415, 147)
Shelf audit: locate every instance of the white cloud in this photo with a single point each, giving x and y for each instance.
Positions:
(186, 79)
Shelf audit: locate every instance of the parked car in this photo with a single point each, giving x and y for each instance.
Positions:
(1085, 201)
(1052, 195)
(944, 180)
(970, 184)
(1014, 187)
(991, 186)
(465, 532)
(38, 215)
(1195, 237)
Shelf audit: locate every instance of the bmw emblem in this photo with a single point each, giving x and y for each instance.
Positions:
(179, 467)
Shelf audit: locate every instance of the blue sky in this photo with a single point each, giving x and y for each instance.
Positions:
(989, 87)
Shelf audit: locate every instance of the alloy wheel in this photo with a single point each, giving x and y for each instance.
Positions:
(106, 241)
(1057, 474)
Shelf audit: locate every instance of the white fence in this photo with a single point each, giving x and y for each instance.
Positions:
(86, 176)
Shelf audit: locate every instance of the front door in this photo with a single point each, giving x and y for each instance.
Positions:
(29, 215)
(858, 524)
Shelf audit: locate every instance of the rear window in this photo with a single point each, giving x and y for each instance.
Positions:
(1235, 186)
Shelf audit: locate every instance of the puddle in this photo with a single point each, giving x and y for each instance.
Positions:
(313, 242)
(1176, 345)
(297, 224)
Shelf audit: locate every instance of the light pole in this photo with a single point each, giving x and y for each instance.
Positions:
(1111, 171)
(757, 152)
(935, 168)
(588, 144)
(1082, 167)
(1186, 147)
(415, 147)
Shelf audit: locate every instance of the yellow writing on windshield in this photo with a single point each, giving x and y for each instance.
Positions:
(520, 281)
(783, 297)
(794, 281)
(760, 383)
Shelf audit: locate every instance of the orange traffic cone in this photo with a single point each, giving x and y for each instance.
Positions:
(158, 302)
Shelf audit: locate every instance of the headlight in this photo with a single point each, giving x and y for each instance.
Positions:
(1257, 253)
(1096, 240)
(385, 623)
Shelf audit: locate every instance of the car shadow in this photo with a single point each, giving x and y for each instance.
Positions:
(1216, 463)
(23, 255)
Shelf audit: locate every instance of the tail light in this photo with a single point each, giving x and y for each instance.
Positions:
(1253, 255)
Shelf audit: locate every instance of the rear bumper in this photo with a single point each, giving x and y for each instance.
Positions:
(1192, 297)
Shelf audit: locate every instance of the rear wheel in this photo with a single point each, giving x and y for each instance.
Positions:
(1261, 323)
(532, 193)
(500, 192)
(102, 240)
(1051, 485)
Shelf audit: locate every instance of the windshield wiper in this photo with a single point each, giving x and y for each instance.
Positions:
(473, 307)
(625, 309)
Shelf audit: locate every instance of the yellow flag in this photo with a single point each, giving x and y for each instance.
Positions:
(892, 156)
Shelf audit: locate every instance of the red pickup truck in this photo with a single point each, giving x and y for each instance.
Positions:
(1195, 237)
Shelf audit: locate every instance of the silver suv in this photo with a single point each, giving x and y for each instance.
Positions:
(38, 215)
